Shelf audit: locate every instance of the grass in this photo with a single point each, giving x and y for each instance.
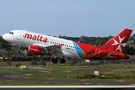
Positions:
(114, 75)
(2, 69)
(11, 83)
(60, 67)
(110, 75)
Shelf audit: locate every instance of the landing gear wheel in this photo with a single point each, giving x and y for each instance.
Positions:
(62, 61)
(55, 61)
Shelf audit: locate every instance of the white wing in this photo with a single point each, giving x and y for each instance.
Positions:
(53, 49)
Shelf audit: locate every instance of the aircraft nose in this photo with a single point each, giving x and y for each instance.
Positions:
(5, 36)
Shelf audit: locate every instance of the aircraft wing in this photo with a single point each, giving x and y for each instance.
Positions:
(53, 49)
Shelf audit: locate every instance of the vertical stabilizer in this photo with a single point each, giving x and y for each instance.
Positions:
(119, 41)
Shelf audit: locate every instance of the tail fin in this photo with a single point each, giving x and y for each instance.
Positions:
(119, 41)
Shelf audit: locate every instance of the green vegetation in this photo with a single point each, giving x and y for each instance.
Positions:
(15, 69)
(115, 75)
(68, 67)
(4, 44)
(14, 83)
(105, 75)
(59, 67)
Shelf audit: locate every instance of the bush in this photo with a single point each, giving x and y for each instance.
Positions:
(13, 58)
(34, 62)
(34, 57)
(23, 59)
(65, 64)
(29, 58)
(48, 58)
(42, 62)
(4, 59)
(43, 58)
(8, 63)
(17, 65)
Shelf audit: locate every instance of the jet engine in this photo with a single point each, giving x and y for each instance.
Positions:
(35, 50)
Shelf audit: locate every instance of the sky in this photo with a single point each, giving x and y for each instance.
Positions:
(74, 18)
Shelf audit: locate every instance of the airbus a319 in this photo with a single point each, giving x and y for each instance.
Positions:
(39, 44)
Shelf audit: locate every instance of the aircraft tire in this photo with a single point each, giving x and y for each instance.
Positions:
(62, 61)
(55, 61)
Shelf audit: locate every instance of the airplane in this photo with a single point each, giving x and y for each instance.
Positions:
(39, 44)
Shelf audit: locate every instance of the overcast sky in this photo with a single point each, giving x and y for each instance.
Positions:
(68, 17)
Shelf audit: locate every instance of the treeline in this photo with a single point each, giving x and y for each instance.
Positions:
(98, 41)
(4, 44)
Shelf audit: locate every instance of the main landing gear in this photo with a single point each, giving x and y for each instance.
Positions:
(62, 61)
(54, 60)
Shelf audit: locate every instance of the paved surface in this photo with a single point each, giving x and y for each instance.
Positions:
(13, 76)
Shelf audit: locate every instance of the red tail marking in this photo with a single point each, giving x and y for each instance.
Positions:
(119, 41)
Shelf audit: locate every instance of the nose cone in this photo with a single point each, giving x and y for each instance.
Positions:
(5, 36)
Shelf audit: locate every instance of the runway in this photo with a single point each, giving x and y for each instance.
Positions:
(13, 76)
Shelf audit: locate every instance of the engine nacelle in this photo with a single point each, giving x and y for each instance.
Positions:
(35, 50)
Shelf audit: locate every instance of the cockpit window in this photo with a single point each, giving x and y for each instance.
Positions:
(11, 33)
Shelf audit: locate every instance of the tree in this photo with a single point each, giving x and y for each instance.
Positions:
(4, 44)
(129, 50)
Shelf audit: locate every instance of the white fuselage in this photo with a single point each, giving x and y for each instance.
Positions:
(26, 38)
